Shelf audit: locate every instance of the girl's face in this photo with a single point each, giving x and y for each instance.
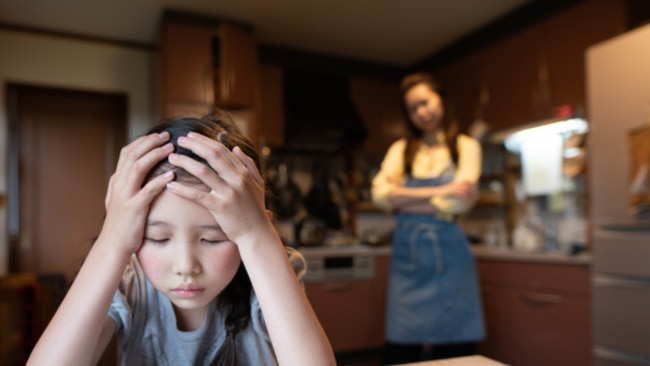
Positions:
(425, 108)
(186, 256)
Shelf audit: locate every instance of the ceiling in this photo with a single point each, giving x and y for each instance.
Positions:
(390, 32)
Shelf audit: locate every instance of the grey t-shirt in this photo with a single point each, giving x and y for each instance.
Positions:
(146, 326)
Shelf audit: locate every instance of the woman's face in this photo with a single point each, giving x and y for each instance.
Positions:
(186, 255)
(424, 107)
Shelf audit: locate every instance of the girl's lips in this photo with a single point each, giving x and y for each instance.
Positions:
(187, 291)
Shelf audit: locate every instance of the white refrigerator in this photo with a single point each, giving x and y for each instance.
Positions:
(618, 92)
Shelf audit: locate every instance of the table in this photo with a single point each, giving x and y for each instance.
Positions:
(458, 361)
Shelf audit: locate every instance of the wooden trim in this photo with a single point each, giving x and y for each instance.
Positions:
(79, 37)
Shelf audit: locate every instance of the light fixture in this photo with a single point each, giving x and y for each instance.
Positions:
(514, 138)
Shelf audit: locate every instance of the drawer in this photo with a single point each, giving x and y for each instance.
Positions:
(542, 276)
(621, 314)
(622, 252)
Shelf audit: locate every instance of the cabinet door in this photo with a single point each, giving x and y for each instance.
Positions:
(569, 34)
(348, 313)
(186, 64)
(238, 67)
(511, 69)
(271, 113)
(536, 327)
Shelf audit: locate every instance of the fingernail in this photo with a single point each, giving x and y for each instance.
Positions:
(182, 139)
(168, 147)
(164, 135)
(172, 157)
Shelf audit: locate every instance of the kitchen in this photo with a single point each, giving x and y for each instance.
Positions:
(509, 84)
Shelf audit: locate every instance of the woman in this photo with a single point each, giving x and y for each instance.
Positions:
(426, 180)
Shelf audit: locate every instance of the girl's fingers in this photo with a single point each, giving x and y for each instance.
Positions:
(250, 165)
(139, 147)
(220, 158)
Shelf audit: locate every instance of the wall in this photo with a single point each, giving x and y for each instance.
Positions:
(43, 60)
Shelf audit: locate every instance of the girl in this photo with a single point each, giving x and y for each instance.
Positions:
(426, 179)
(207, 280)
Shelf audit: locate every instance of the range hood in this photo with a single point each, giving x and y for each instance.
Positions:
(319, 113)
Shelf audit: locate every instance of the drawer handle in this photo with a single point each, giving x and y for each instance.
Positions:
(544, 299)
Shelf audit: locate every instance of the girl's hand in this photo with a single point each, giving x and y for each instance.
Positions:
(235, 194)
(127, 200)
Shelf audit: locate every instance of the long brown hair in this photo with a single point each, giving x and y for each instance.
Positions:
(448, 123)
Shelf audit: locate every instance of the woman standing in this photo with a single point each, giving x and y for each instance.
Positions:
(426, 180)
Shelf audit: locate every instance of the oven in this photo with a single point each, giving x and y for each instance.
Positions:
(334, 265)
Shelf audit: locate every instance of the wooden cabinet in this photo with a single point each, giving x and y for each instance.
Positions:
(525, 76)
(271, 107)
(589, 23)
(236, 63)
(186, 69)
(380, 105)
(352, 311)
(203, 65)
(536, 313)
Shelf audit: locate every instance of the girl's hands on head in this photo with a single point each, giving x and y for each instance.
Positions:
(236, 188)
(127, 200)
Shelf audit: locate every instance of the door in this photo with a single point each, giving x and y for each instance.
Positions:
(63, 148)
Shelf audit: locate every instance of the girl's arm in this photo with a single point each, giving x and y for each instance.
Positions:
(236, 200)
(80, 325)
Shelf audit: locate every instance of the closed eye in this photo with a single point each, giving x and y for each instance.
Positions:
(156, 241)
(213, 242)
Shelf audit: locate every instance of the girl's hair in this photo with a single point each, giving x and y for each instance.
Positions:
(234, 300)
(414, 137)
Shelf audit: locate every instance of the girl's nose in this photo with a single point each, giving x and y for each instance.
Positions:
(186, 262)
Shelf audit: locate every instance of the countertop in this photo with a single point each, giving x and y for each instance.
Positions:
(480, 252)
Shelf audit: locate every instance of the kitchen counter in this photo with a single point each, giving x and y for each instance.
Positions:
(480, 252)
(345, 250)
(509, 254)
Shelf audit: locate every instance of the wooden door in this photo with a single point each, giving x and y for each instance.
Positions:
(64, 147)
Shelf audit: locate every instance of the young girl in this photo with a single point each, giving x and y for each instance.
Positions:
(200, 272)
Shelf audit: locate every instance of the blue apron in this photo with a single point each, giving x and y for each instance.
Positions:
(433, 291)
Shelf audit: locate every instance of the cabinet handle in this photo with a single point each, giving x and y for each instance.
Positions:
(337, 286)
(544, 299)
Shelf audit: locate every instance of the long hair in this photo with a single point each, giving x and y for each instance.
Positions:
(234, 300)
(414, 135)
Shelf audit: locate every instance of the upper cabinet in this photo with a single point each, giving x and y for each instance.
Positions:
(206, 65)
(525, 76)
(185, 68)
(236, 67)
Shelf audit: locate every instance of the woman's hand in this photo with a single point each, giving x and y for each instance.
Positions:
(235, 194)
(127, 200)
(462, 189)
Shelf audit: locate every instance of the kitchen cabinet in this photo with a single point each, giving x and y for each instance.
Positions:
(236, 67)
(185, 69)
(271, 107)
(525, 76)
(205, 65)
(536, 313)
(352, 311)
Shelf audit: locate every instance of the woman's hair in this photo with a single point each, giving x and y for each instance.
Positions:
(448, 123)
(234, 300)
